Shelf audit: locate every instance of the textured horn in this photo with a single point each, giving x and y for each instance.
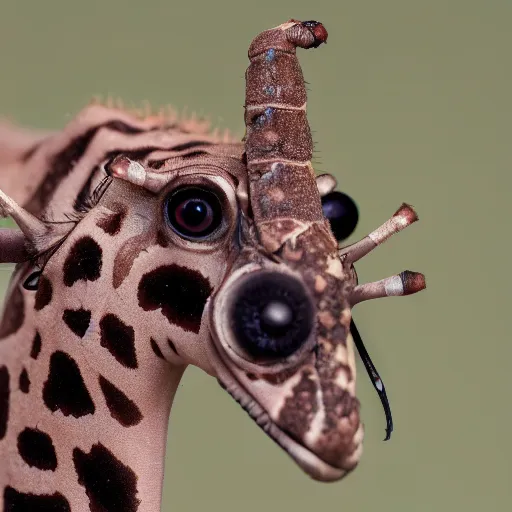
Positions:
(278, 144)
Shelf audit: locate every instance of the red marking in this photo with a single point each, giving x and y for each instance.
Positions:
(413, 282)
(320, 33)
(406, 211)
(118, 167)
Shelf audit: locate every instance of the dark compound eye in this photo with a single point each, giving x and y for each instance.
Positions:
(341, 211)
(194, 212)
(272, 316)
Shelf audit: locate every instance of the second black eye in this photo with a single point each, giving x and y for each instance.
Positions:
(194, 212)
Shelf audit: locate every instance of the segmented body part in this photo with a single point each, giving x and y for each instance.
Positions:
(278, 140)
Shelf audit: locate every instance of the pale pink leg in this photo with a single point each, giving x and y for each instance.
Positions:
(402, 218)
(405, 283)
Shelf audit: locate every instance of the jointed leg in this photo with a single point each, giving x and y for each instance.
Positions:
(405, 283)
(402, 218)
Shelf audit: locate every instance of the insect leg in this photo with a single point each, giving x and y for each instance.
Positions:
(402, 218)
(405, 283)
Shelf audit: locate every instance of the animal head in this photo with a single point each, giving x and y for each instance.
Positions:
(219, 252)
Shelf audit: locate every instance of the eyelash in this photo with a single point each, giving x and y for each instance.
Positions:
(82, 206)
(86, 203)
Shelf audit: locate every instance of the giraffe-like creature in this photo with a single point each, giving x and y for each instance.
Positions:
(147, 244)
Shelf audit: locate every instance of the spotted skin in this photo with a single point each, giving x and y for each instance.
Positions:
(36, 449)
(93, 350)
(122, 409)
(14, 501)
(96, 354)
(180, 293)
(77, 320)
(44, 293)
(5, 396)
(84, 261)
(24, 382)
(112, 222)
(108, 483)
(119, 339)
(36, 346)
(65, 389)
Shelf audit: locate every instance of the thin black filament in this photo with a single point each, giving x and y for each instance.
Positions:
(377, 382)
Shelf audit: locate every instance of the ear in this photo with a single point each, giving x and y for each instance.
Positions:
(34, 238)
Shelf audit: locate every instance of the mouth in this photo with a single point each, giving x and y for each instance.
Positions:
(308, 461)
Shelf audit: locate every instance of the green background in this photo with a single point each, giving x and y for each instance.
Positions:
(409, 101)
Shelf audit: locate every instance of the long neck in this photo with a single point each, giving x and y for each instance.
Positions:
(85, 426)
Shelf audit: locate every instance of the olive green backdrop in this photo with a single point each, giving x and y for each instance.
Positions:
(409, 101)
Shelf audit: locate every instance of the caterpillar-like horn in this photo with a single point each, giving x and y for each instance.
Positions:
(278, 144)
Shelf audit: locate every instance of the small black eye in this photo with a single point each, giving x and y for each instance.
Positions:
(341, 211)
(194, 212)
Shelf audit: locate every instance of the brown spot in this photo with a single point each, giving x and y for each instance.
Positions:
(119, 339)
(127, 254)
(84, 261)
(24, 382)
(77, 320)
(44, 293)
(121, 408)
(15, 501)
(336, 442)
(65, 387)
(300, 408)
(181, 294)
(161, 239)
(4, 400)
(109, 484)
(111, 222)
(14, 313)
(36, 346)
(278, 378)
(36, 449)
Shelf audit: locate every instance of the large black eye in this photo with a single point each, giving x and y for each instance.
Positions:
(271, 316)
(341, 211)
(194, 212)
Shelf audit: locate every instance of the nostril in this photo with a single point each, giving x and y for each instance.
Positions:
(271, 315)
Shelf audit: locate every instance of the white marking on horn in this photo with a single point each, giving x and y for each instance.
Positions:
(394, 286)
